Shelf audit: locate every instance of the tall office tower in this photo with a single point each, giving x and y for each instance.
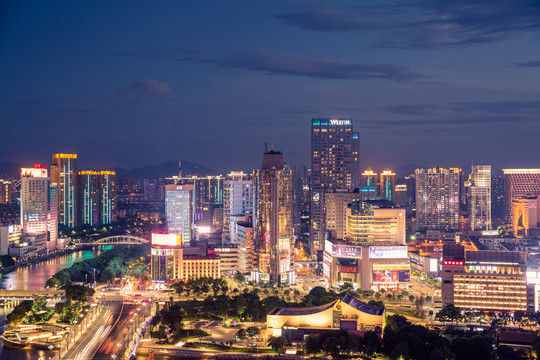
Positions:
(400, 193)
(6, 191)
(64, 174)
(336, 203)
(34, 200)
(88, 198)
(207, 194)
(480, 198)
(107, 196)
(334, 165)
(237, 201)
(525, 215)
(368, 186)
(387, 185)
(179, 210)
(274, 233)
(437, 199)
(519, 183)
(497, 201)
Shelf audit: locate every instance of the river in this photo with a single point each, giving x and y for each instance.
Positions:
(34, 277)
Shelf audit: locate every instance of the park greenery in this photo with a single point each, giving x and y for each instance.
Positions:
(31, 312)
(117, 262)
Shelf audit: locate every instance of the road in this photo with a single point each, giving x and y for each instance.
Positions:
(116, 341)
(87, 344)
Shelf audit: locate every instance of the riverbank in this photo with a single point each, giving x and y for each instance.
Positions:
(43, 258)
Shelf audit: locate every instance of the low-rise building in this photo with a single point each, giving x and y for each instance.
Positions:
(347, 314)
(367, 266)
(484, 280)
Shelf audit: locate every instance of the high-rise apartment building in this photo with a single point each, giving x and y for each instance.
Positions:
(273, 215)
(97, 197)
(179, 210)
(107, 196)
(237, 201)
(334, 165)
(64, 175)
(368, 187)
(519, 183)
(89, 198)
(387, 185)
(438, 199)
(479, 193)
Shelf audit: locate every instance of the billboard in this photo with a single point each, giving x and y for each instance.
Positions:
(388, 252)
(172, 240)
(391, 276)
(347, 251)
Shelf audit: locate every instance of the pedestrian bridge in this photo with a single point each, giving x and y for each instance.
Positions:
(118, 240)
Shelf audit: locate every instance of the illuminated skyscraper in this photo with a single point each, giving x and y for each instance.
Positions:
(64, 175)
(334, 165)
(6, 191)
(437, 199)
(237, 200)
(179, 210)
(107, 196)
(480, 198)
(97, 197)
(89, 197)
(368, 188)
(387, 185)
(519, 183)
(274, 225)
(34, 199)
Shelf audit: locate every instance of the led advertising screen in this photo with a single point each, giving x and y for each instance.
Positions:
(172, 240)
(391, 276)
(347, 251)
(388, 252)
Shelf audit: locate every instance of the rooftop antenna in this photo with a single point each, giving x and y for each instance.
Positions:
(272, 145)
(266, 147)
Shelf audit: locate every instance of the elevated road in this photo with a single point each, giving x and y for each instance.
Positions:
(31, 294)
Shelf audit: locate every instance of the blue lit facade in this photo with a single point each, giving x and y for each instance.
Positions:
(179, 210)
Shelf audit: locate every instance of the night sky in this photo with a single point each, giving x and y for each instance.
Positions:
(132, 83)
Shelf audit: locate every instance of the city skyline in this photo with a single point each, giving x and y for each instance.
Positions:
(125, 89)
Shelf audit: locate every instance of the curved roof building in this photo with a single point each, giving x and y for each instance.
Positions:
(346, 314)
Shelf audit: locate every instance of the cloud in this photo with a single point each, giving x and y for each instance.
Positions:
(528, 64)
(414, 109)
(150, 88)
(423, 24)
(299, 65)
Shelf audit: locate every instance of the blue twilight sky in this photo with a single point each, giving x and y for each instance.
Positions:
(132, 83)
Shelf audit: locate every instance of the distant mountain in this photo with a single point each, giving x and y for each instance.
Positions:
(408, 169)
(8, 169)
(166, 169)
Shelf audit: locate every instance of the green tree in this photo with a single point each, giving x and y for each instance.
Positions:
(241, 334)
(278, 343)
(313, 344)
(449, 313)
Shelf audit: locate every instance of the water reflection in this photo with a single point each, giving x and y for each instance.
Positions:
(34, 276)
